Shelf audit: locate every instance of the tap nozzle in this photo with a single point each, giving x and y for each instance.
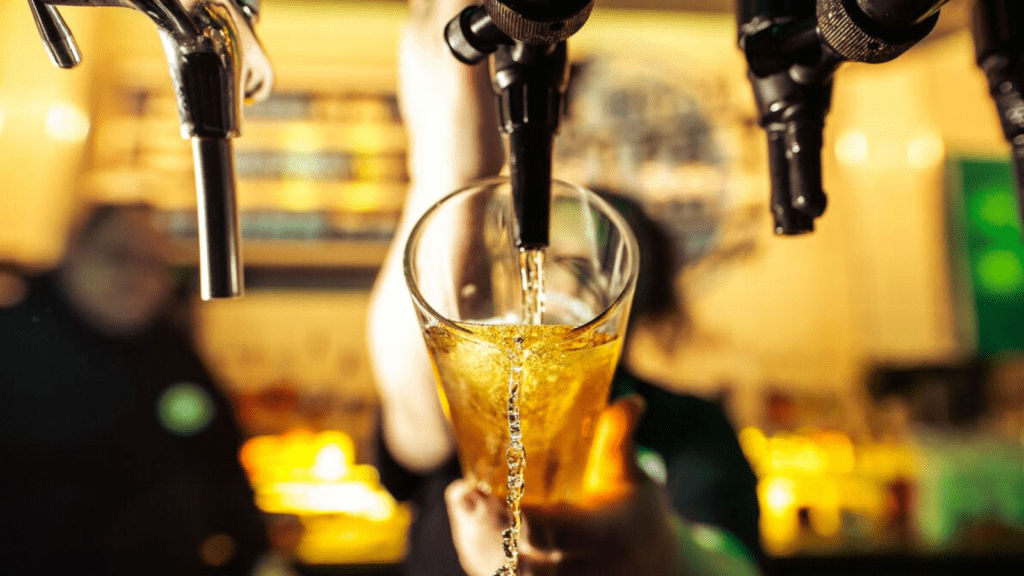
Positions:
(216, 62)
(219, 237)
(790, 71)
(530, 82)
(526, 41)
(57, 38)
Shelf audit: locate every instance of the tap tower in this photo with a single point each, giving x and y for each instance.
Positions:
(526, 40)
(216, 63)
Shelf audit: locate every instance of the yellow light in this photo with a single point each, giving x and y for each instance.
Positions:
(66, 123)
(3, 118)
(779, 494)
(352, 498)
(809, 459)
(838, 451)
(304, 473)
(361, 197)
(793, 453)
(852, 148)
(823, 498)
(330, 465)
(754, 444)
(301, 195)
(826, 521)
(301, 137)
(366, 138)
(925, 151)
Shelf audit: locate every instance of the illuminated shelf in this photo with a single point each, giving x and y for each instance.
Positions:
(296, 254)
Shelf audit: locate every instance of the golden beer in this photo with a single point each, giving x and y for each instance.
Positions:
(565, 377)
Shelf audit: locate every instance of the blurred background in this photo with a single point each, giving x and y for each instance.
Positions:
(871, 368)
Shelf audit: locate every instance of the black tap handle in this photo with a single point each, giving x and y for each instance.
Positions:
(899, 13)
(57, 38)
(530, 82)
(998, 28)
(803, 142)
(529, 75)
(875, 31)
(788, 220)
(539, 22)
(530, 170)
(754, 11)
(473, 35)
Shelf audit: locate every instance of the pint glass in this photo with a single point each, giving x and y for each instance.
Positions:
(465, 274)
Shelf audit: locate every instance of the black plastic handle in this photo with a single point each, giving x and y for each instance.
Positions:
(788, 220)
(803, 141)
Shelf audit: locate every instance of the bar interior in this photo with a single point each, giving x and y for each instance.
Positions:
(868, 355)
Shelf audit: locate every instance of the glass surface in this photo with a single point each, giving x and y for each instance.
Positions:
(464, 272)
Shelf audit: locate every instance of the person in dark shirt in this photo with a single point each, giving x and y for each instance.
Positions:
(119, 451)
(694, 512)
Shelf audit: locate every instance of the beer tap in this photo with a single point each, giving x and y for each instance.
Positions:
(999, 43)
(526, 41)
(216, 62)
(793, 48)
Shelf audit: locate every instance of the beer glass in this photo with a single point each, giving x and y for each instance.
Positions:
(465, 274)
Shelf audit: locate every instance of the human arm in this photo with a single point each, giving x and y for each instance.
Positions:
(448, 110)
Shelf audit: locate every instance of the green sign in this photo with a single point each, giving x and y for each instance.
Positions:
(986, 230)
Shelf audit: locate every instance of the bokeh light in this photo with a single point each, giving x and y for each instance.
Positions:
(67, 123)
(185, 409)
(1000, 272)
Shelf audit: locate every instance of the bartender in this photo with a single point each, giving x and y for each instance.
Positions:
(119, 451)
(701, 521)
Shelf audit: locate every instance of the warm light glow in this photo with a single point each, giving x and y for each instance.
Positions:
(301, 137)
(347, 515)
(852, 148)
(365, 138)
(353, 498)
(361, 197)
(839, 452)
(3, 118)
(925, 151)
(825, 473)
(330, 465)
(305, 473)
(300, 195)
(217, 550)
(66, 123)
(754, 443)
(779, 494)
(794, 453)
(826, 511)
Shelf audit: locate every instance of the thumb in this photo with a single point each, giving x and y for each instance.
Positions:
(612, 470)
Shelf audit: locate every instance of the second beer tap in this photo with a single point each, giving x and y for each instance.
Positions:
(216, 63)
